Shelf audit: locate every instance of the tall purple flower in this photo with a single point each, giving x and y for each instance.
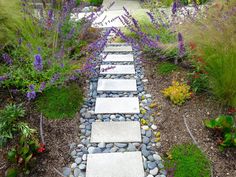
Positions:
(31, 94)
(7, 59)
(38, 62)
(3, 78)
(181, 45)
(174, 7)
(42, 86)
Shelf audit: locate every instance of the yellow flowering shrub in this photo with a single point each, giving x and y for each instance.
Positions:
(178, 93)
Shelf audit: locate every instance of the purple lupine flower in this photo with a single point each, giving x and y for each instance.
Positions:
(73, 78)
(38, 62)
(181, 45)
(20, 41)
(42, 86)
(174, 7)
(7, 59)
(31, 94)
(3, 78)
(55, 77)
(151, 17)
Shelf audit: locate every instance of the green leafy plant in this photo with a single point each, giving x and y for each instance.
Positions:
(59, 103)
(224, 126)
(166, 68)
(187, 160)
(178, 93)
(8, 121)
(24, 153)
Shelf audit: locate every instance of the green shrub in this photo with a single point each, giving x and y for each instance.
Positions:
(96, 2)
(8, 121)
(59, 103)
(56, 47)
(214, 38)
(187, 160)
(166, 68)
(10, 19)
(226, 126)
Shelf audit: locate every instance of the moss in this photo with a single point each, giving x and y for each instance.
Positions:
(187, 160)
(60, 103)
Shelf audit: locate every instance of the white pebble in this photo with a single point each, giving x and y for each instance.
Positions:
(154, 127)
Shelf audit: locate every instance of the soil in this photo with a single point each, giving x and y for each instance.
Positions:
(171, 121)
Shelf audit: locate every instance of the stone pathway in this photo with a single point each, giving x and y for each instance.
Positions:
(113, 141)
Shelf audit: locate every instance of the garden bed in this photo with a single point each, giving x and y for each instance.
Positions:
(59, 136)
(172, 127)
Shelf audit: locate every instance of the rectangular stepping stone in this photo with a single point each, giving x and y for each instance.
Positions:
(118, 57)
(127, 164)
(117, 132)
(117, 69)
(118, 49)
(125, 105)
(117, 85)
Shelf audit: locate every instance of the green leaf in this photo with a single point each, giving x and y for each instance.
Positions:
(210, 123)
(27, 159)
(11, 172)
(225, 121)
(11, 155)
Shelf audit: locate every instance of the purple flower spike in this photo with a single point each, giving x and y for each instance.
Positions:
(181, 45)
(174, 7)
(31, 94)
(42, 86)
(38, 62)
(3, 78)
(7, 59)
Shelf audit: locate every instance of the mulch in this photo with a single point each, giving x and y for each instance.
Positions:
(172, 127)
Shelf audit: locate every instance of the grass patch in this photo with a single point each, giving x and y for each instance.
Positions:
(60, 103)
(187, 161)
(166, 68)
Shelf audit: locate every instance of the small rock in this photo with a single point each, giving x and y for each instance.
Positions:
(149, 133)
(84, 157)
(154, 171)
(73, 165)
(131, 147)
(82, 166)
(145, 140)
(149, 175)
(154, 127)
(78, 160)
(66, 171)
(121, 145)
(73, 153)
(156, 157)
(150, 157)
(102, 145)
(151, 165)
(91, 150)
(76, 172)
(145, 127)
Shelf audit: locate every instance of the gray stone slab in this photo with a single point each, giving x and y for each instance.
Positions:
(117, 132)
(118, 49)
(118, 57)
(127, 164)
(117, 69)
(128, 105)
(117, 85)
